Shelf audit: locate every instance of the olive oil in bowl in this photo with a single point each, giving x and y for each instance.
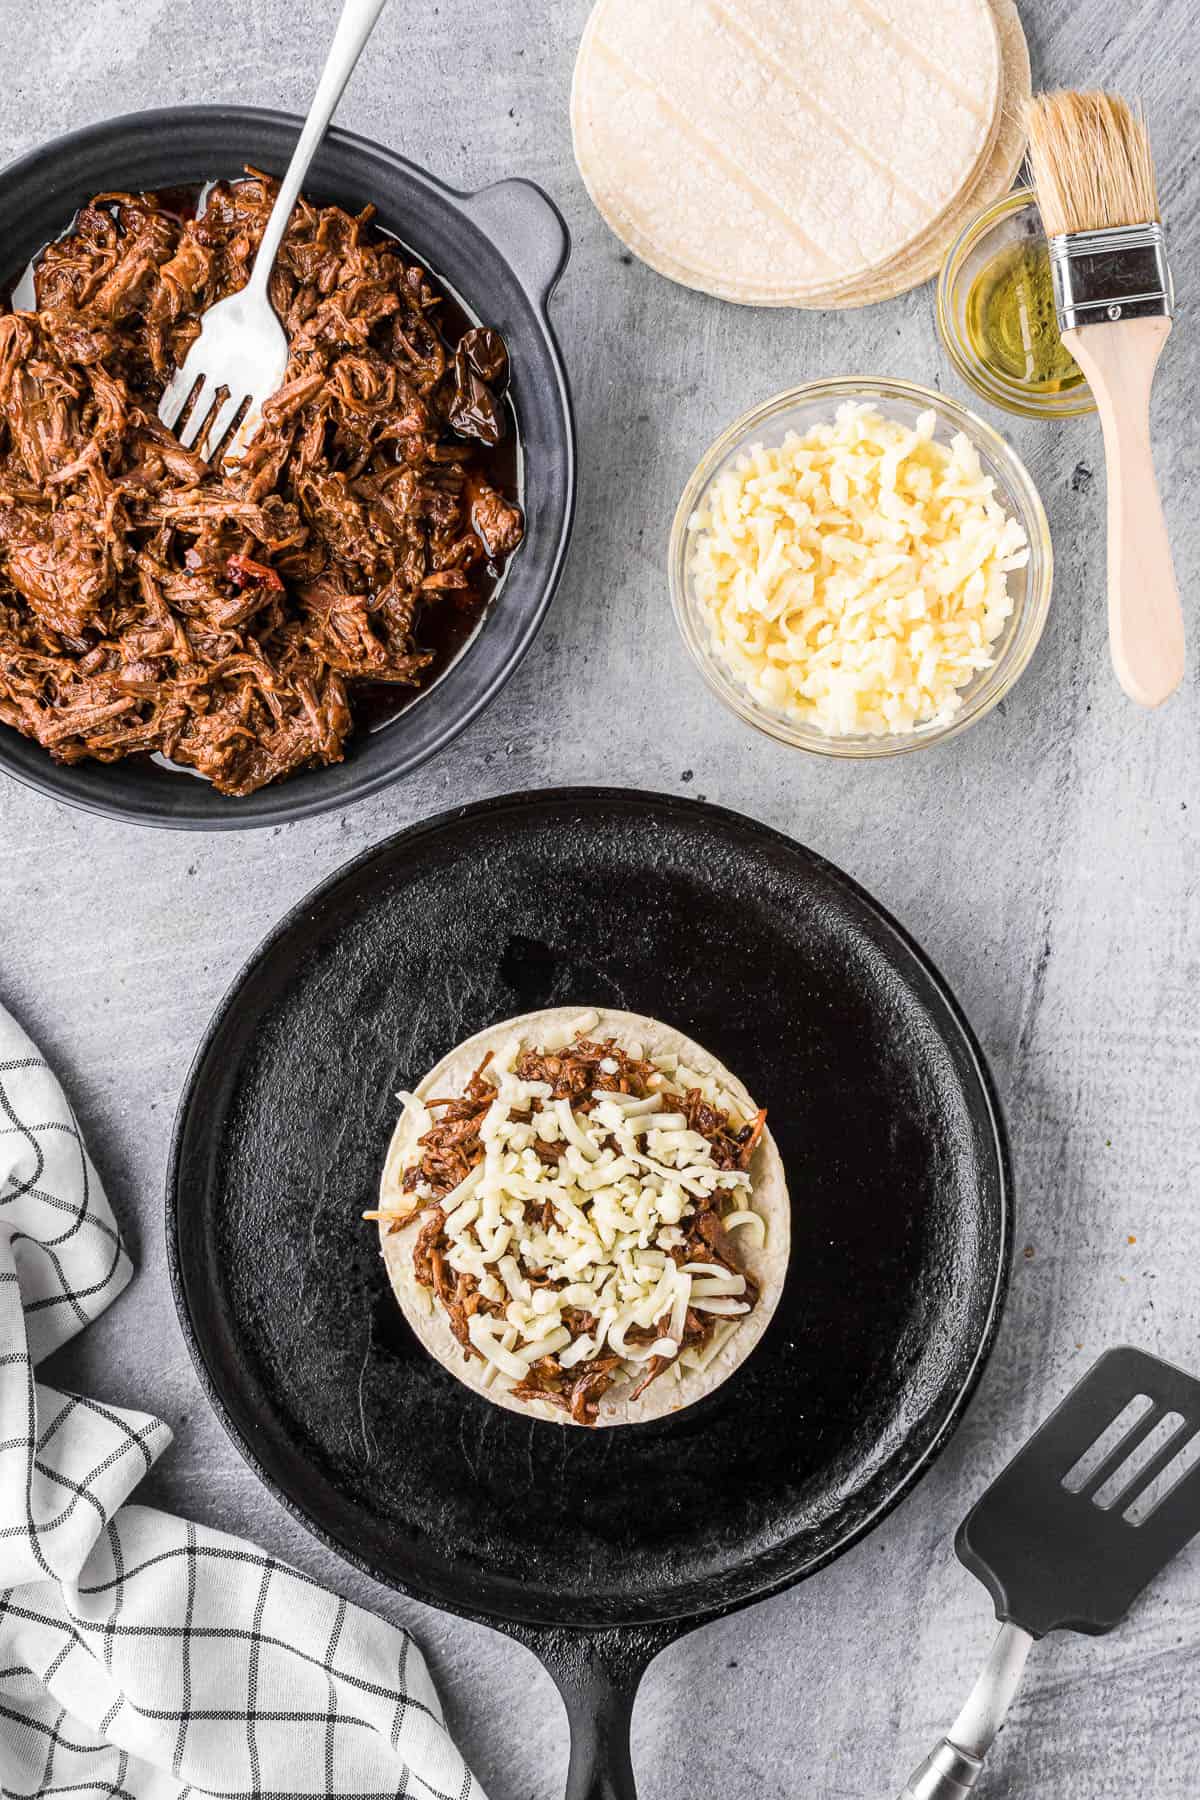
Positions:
(995, 308)
(1011, 322)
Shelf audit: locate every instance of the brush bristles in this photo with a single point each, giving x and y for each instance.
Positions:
(1091, 164)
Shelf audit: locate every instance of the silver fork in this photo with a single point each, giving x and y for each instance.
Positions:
(242, 349)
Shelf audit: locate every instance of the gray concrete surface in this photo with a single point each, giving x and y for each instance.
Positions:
(1048, 861)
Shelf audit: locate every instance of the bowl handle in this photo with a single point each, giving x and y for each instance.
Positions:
(528, 229)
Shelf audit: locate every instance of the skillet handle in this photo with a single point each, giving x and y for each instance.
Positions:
(600, 1711)
(597, 1674)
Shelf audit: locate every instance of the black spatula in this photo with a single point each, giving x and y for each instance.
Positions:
(1098, 1501)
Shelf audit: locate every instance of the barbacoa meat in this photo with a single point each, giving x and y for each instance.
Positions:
(223, 617)
(452, 1147)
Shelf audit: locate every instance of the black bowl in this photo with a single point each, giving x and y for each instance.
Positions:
(500, 251)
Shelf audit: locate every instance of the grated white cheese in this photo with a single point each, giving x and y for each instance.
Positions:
(592, 1232)
(856, 578)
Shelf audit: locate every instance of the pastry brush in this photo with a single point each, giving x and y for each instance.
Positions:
(1093, 171)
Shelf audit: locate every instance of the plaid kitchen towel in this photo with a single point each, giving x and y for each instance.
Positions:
(143, 1657)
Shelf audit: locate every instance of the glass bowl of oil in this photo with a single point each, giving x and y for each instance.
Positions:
(996, 315)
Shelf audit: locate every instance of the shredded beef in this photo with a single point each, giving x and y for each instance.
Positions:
(533, 1390)
(222, 617)
(452, 1147)
(574, 1072)
(731, 1149)
(590, 1387)
(656, 1366)
(428, 1243)
(462, 1300)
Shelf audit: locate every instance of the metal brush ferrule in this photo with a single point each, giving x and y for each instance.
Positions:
(1121, 273)
(948, 1773)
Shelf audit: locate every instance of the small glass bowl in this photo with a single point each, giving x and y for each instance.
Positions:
(1012, 220)
(798, 410)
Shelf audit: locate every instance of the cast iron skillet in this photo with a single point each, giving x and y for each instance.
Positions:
(594, 1548)
(501, 250)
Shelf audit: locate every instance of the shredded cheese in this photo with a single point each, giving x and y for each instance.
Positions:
(856, 578)
(592, 1232)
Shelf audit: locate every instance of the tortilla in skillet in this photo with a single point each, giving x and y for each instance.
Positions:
(719, 1311)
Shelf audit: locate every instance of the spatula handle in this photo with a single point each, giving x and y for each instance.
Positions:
(952, 1769)
(1145, 621)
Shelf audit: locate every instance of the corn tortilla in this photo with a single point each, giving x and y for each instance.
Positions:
(766, 1263)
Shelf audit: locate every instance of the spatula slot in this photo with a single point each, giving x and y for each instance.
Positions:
(1138, 1462)
(1166, 1481)
(1110, 1439)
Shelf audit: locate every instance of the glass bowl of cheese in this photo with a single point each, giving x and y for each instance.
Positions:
(860, 567)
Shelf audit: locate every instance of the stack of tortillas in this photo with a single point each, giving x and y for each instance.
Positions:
(798, 152)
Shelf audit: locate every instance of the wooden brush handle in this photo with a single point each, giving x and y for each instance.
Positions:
(1145, 622)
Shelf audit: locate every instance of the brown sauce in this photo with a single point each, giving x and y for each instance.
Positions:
(447, 627)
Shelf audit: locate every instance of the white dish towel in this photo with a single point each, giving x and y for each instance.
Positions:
(143, 1657)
